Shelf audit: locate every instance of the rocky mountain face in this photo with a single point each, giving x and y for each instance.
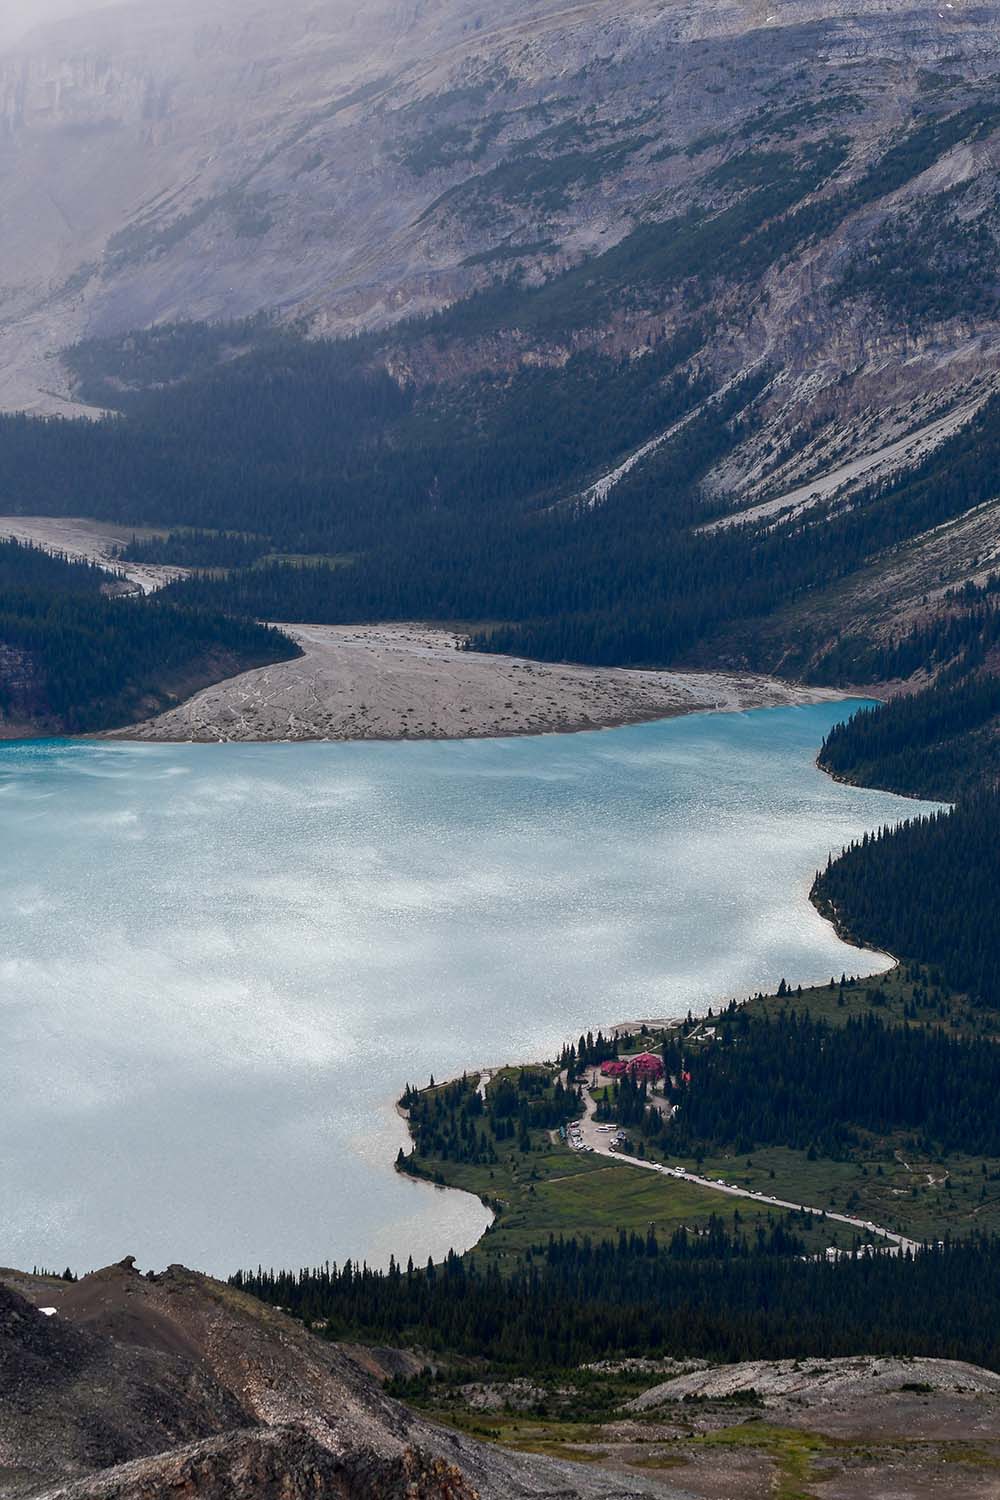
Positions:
(130, 1387)
(802, 195)
(352, 167)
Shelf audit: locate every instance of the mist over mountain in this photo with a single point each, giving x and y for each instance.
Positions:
(725, 277)
(19, 17)
(351, 166)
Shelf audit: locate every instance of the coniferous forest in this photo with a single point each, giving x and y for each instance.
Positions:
(935, 743)
(716, 1295)
(468, 512)
(791, 1080)
(76, 658)
(928, 891)
(464, 504)
(303, 481)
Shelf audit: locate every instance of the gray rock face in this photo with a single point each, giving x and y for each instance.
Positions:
(281, 1463)
(71, 1403)
(821, 1380)
(356, 165)
(143, 1386)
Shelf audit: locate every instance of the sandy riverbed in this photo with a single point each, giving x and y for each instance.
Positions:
(390, 682)
(414, 682)
(91, 541)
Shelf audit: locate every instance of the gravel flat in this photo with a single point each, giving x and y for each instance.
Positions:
(83, 540)
(414, 682)
(400, 681)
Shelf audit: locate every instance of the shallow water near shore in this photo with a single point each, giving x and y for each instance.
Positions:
(220, 964)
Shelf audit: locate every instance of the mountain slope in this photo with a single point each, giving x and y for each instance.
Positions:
(713, 377)
(352, 168)
(143, 1385)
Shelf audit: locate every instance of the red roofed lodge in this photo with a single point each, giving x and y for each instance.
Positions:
(645, 1065)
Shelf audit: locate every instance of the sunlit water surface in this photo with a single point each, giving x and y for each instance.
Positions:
(220, 964)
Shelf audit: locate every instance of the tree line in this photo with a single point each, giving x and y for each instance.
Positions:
(927, 891)
(934, 743)
(720, 1296)
(791, 1080)
(455, 1122)
(77, 660)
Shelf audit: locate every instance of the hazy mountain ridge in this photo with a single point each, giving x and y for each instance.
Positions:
(353, 173)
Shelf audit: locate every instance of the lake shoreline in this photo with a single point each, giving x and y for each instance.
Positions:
(294, 936)
(399, 680)
(396, 682)
(636, 1026)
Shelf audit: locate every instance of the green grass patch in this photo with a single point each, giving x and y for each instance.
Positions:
(909, 994)
(791, 1450)
(660, 1461)
(554, 1190)
(308, 559)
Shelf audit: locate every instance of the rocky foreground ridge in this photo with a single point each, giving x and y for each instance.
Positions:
(125, 1386)
(145, 1386)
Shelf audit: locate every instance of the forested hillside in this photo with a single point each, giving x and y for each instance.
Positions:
(74, 658)
(934, 743)
(437, 511)
(927, 891)
(727, 1299)
(547, 456)
(794, 1081)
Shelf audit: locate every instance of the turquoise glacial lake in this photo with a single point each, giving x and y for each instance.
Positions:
(220, 964)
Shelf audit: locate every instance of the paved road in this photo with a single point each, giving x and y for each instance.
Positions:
(600, 1142)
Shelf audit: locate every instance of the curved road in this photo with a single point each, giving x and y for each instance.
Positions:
(600, 1142)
